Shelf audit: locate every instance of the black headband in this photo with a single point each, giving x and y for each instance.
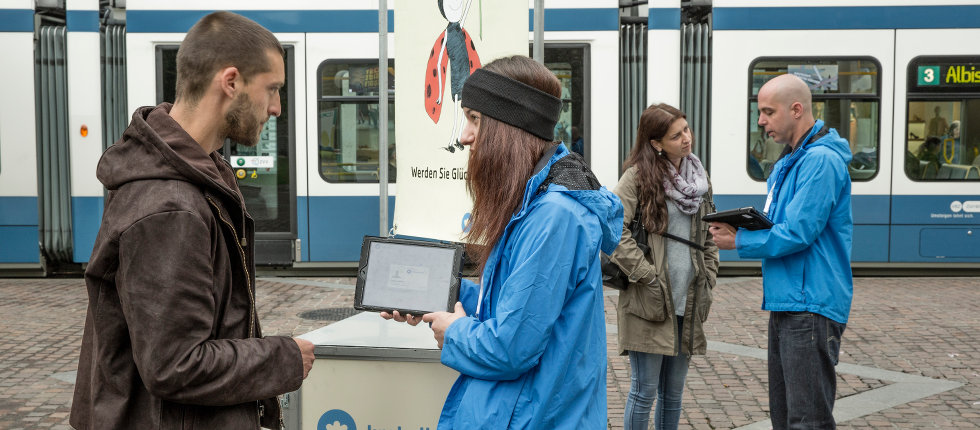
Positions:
(512, 102)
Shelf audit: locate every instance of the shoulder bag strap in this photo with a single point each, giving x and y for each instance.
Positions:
(684, 241)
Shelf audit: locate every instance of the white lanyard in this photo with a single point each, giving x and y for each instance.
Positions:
(768, 201)
(479, 300)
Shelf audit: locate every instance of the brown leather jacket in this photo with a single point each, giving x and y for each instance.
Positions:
(172, 338)
(646, 309)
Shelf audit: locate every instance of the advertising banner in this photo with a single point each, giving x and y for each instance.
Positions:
(437, 45)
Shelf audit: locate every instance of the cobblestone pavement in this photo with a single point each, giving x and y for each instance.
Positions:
(921, 327)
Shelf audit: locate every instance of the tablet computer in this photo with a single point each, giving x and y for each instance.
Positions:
(747, 218)
(410, 276)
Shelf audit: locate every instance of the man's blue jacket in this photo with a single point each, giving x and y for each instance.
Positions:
(806, 255)
(532, 350)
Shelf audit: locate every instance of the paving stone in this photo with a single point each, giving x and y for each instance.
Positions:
(920, 326)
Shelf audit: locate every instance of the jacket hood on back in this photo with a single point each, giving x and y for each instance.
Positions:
(569, 171)
(819, 139)
(832, 141)
(156, 147)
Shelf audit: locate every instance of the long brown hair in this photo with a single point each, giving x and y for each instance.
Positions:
(651, 167)
(502, 160)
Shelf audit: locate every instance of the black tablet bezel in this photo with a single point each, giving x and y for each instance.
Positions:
(736, 218)
(362, 269)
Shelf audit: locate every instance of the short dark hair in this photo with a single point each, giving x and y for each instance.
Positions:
(221, 39)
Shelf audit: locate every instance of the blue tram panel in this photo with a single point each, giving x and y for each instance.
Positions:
(18, 230)
(871, 229)
(931, 228)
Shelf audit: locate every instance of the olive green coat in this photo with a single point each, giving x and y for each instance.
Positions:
(647, 321)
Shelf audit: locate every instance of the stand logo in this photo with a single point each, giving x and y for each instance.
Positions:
(336, 419)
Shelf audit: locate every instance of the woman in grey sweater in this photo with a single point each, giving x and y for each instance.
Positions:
(662, 310)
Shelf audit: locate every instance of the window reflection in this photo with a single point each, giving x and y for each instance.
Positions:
(347, 120)
(349, 142)
(845, 97)
(943, 140)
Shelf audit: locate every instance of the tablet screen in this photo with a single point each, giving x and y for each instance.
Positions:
(406, 276)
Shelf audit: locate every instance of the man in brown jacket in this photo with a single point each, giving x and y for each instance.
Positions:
(172, 338)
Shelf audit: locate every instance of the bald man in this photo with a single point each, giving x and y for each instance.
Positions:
(806, 255)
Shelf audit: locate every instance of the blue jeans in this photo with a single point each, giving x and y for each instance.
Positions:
(803, 349)
(660, 376)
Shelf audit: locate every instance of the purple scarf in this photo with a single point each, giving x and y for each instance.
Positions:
(686, 187)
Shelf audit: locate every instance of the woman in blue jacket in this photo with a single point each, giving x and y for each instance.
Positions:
(529, 341)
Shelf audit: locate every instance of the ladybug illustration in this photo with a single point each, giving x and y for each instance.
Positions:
(454, 48)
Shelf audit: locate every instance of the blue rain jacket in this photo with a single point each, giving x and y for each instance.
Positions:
(532, 351)
(806, 255)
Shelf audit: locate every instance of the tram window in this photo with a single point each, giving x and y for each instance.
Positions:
(570, 64)
(166, 73)
(347, 118)
(846, 96)
(943, 119)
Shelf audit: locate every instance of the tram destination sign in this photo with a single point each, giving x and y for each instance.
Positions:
(947, 77)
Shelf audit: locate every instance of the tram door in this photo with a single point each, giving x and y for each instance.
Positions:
(266, 172)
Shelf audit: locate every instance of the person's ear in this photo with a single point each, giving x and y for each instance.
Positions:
(797, 110)
(656, 145)
(229, 79)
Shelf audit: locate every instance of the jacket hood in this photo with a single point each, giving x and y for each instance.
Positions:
(155, 147)
(561, 170)
(831, 140)
(818, 139)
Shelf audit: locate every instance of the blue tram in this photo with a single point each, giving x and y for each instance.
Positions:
(894, 77)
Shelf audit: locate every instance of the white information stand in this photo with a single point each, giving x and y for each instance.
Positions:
(371, 374)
